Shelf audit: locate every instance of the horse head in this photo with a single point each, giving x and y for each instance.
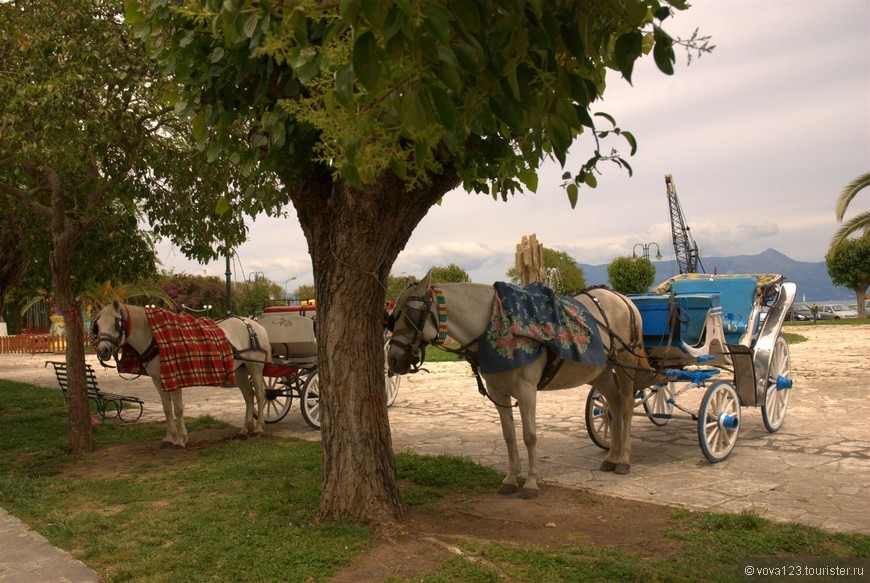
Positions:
(413, 325)
(108, 330)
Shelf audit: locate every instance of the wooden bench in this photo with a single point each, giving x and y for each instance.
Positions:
(109, 405)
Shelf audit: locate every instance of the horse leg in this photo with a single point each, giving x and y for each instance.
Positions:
(620, 400)
(259, 386)
(173, 410)
(530, 438)
(509, 484)
(244, 381)
(178, 413)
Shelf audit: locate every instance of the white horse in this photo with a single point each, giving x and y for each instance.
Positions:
(118, 324)
(468, 310)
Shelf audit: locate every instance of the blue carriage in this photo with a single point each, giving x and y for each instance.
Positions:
(716, 332)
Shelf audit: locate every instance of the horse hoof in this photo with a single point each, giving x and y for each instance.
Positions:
(241, 436)
(507, 489)
(607, 466)
(622, 469)
(528, 494)
(166, 445)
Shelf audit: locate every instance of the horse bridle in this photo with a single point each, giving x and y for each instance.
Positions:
(416, 318)
(115, 341)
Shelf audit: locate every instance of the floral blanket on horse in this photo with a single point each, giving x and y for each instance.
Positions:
(193, 352)
(526, 321)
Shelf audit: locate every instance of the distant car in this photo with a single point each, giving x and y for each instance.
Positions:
(801, 313)
(836, 312)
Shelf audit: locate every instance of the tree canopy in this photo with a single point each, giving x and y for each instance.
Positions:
(368, 112)
(631, 275)
(490, 89)
(850, 267)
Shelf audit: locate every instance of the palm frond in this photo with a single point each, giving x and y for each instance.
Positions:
(860, 222)
(849, 192)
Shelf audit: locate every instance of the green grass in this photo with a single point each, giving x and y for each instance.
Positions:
(435, 354)
(242, 511)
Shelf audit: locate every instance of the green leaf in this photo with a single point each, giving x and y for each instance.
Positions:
(573, 192)
(365, 61)
(444, 107)
(250, 25)
(663, 51)
(394, 22)
(436, 21)
(216, 55)
(222, 206)
(606, 116)
(629, 137)
(344, 86)
(590, 180)
(413, 114)
(467, 14)
(350, 173)
(375, 11)
(626, 51)
(529, 178)
(132, 14)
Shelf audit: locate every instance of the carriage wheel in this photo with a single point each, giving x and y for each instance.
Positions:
(658, 404)
(598, 419)
(391, 379)
(392, 382)
(311, 401)
(719, 421)
(278, 399)
(778, 387)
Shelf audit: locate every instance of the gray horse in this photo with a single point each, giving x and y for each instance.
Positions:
(119, 324)
(463, 311)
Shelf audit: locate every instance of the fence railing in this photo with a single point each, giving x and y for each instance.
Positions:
(32, 344)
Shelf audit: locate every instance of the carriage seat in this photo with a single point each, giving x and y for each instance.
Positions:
(669, 319)
(736, 296)
(291, 336)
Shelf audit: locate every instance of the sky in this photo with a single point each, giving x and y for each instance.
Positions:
(760, 136)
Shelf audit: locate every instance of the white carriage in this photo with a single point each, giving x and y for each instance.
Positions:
(716, 332)
(293, 370)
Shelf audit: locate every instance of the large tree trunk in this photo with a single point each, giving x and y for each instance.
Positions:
(80, 435)
(66, 231)
(354, 238)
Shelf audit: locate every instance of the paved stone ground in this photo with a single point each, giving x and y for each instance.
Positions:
(815, 470)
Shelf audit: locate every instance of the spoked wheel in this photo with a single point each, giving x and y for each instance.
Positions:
(778, 387)
(391, 379)
(279, 397)
(658, 404)
(311, 401)
(598, 419)
(719, 421)
(392, 382)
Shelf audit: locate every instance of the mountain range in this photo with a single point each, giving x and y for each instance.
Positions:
(812, 279)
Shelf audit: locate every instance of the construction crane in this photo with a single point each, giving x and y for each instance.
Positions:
(685, 248)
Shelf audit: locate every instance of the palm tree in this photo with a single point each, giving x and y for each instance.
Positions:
(860, 221)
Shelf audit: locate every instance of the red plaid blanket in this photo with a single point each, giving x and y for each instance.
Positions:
(193, 351)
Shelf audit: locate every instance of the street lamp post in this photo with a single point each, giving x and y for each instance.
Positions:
(645, 248)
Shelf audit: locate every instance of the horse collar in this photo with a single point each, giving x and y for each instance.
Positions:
(126, 324)
(442, 315)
